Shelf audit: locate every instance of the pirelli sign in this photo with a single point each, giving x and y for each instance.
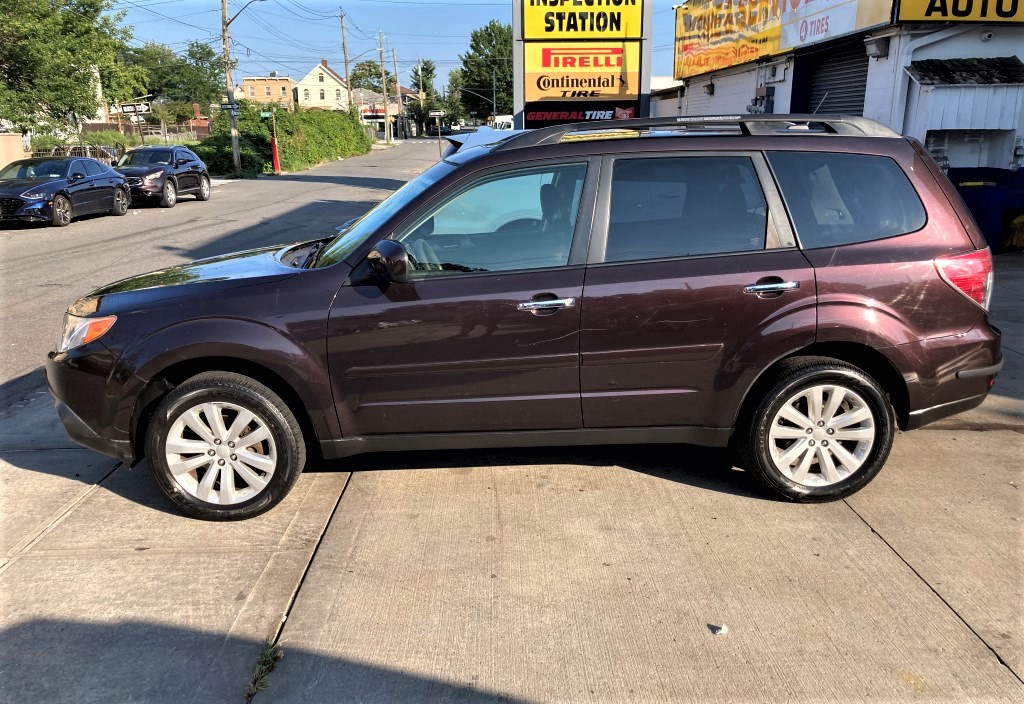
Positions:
(583, 70)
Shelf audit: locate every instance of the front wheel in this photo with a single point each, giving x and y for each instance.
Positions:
(822, 431)
(169, 196)
(224, 447)
(61, 211)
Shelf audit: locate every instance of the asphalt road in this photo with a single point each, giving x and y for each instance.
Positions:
(45, 269)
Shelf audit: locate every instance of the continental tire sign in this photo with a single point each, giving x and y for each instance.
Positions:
(583, 19)
(989, 11)
(584, 70)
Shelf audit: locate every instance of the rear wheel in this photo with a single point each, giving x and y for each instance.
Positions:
(120, 202)
(822, 431)
(61, 212)
(169, 196)
(224, 447)
(204, 189)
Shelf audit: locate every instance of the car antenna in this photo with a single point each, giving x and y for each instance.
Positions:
(823, 98)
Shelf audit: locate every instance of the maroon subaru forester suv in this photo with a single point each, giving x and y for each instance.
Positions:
(797, 287)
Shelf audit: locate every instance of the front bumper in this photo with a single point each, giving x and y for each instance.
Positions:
(19, 209)
(143, 188)
(81, 390)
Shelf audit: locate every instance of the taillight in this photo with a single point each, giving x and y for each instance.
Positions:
(970, 274)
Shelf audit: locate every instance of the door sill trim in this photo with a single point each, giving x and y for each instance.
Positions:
(690, 435)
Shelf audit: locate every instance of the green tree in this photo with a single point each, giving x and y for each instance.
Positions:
(52, 53)
(454, 110)
(488, 63)
(197, 77)
(366, 75)
(425, 83)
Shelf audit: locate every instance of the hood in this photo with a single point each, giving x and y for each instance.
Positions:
(139, 170)
(240, 268)
(17, 186)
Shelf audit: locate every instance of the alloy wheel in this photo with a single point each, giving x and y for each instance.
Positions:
(221, 453)
(822, 435)
(62, 210)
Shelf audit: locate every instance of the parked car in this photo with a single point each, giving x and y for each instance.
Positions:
(433, 129)
(57, 189)
(799, 287)
(165, 173)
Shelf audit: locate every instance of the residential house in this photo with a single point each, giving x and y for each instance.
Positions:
(322, 89)
(270, 90)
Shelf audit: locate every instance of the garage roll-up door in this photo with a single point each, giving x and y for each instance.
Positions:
(839, 80)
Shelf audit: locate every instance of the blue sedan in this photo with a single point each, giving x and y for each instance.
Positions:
(57, 189)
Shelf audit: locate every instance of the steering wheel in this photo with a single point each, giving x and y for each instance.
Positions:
(425, 255)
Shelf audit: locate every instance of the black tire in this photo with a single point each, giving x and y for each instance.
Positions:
(62, 212)
(121, 201)
(169, 195)
(794, 376)
(248, 394)
(204, 188)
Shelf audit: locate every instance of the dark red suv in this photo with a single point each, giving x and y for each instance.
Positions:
(797, 286)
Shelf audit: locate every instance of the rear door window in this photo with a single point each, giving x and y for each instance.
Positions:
(837, 199)
(94, 168)
(685, 206)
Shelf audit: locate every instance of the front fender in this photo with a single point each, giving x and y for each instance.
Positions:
(300, 365)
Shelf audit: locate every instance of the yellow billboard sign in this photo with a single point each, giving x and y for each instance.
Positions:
(583, 19)
(582, 70)
(993, 11)
(716, 34)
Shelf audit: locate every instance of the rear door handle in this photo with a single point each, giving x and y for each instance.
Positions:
(552, 304)
(780, 287)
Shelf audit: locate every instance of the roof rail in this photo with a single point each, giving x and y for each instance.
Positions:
(848, 125)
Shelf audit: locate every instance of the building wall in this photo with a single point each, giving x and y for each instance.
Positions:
(11, 148)
(255, 89)
(335, 94)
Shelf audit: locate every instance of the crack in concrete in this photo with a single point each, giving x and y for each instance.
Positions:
(937, 594)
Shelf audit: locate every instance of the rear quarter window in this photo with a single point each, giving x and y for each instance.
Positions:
(837, 199)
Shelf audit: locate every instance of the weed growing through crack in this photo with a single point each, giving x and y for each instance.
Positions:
(269, 656)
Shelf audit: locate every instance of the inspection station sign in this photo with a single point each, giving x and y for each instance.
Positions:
(583, 19)
(989, 11)
(585, 70)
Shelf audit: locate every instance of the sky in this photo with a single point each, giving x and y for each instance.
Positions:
(291, 36)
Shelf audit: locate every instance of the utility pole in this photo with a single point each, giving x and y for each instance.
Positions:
(383, 86)
(423, 92)
(398, 89)
(344, 51)
(236, 156)
(494, 91)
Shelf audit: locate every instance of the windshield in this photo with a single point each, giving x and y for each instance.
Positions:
(147, 158)
(368, 225)
(34, 169)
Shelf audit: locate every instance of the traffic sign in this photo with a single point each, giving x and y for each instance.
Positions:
(436, 113)
(134, 108)
(229, 106)
(266, 113)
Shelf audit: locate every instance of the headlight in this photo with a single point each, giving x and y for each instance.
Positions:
(154, 175)
(80, 331)
(35, 194)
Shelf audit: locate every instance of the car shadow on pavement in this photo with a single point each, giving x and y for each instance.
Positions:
(701, 467)
(386, 184)
(49, 660)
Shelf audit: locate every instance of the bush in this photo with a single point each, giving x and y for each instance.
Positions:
(305, 138)
(110, 138)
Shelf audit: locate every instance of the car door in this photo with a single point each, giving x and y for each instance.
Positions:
(485, 335)
(694, 286)
(80, 189)
(102, 186)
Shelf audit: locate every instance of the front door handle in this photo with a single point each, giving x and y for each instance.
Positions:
(552, 304)
(779, 287)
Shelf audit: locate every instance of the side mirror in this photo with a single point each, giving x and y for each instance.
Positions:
(77, 176)
(181, 162)
(389, 260)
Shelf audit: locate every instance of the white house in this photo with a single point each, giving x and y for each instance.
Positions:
(323, 89)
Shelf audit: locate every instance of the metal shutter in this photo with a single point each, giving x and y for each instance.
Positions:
(842, 74)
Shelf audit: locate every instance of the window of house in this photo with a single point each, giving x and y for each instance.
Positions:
(837, 199)
(683, 206)
(337, 94)
(284, 91)
(321, 94)
(252, 91)
(266, 91)
(522, 219)
(305, 94)
(321, 78)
